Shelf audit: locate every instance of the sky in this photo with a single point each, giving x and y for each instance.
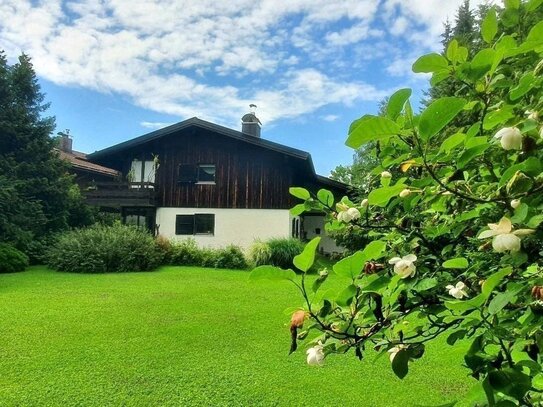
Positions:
(114, 70)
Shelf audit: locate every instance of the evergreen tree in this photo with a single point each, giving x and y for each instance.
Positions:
(35, 196)
(465, 29)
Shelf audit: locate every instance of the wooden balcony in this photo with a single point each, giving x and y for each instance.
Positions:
(120, 194)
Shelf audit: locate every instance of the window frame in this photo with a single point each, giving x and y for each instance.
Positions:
(194, 217)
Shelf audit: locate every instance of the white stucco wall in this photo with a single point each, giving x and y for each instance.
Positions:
(313, 222)
(232, 226)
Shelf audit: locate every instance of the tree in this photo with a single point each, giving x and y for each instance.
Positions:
(456, 239)
(35, 198)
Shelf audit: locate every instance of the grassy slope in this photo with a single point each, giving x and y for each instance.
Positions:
(184, 336)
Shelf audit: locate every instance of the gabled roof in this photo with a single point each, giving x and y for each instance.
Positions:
(234, 134)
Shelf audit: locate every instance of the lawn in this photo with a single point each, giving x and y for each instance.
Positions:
(185, 336)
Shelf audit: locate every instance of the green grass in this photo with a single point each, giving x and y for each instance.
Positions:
(185, 336)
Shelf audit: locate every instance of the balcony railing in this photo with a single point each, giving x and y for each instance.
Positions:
(119, 194)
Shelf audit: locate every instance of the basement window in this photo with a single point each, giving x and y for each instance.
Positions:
(197, 224)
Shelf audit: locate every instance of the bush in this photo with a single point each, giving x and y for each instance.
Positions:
(11, 259)
(101, 249)
(187, 253)
(38, 249)
(260, 253)
(231, 257)
(283, 251)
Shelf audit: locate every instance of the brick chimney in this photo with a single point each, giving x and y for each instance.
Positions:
(250, 124)
(65, 141)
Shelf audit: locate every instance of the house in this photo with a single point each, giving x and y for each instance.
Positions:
(86, 173)
(214, 184)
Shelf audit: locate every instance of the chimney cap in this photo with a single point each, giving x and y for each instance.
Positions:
(251, 116)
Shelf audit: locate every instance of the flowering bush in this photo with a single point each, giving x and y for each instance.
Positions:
(455, 240)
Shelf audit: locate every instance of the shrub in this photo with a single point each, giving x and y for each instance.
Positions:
(283, 251)
(38, 250)
(231, 257)
(101, 249)
(11, 259)
(166, 247)
(260, 253)
(187, 253)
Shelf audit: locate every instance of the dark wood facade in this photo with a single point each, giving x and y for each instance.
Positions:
(247, 175)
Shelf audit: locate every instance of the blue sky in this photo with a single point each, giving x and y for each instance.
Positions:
(117, 69)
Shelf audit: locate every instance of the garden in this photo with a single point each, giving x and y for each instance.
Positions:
(184, 336)
(438, 299)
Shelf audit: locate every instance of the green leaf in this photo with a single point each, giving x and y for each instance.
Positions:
(500, 116)
(455, 336)
(468, 155)
(526, 83)
(300, 193)
(436, 116)
(452, 141)
(430, 63)
(500, 301)
(534, 221)
(346, 296)
(350, 266)
(489, 26)
(297, 210)
(371, 128)
(381, 196)
(272, 273)
(533, 4)
(465, 305)
(481, 63)
(512, 4)
(510, 382)
(326, 197)
(456, 263)
(374, 250)
(493, 281)
(306, 258)
(396, 102)
(400, 363)
(426, 284)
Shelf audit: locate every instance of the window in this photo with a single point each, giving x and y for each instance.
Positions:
(198, 224)
(199, 174)
(206, 174)
(147, 169)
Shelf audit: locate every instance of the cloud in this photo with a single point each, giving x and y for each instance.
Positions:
(212, 59)
(155, 125)
(330, 117)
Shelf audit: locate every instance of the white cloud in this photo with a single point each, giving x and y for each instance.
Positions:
(330, 117)
(211, 59)
(154, 125)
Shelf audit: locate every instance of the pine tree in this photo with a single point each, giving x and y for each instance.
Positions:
(35, 198)
(465, 25)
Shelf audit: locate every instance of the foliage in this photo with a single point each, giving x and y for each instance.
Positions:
(103, 249)
(456, 238)
(37, 195)
(230, 257)
(187, 253)
(283, 251)
(259, 253)
(11, 259)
